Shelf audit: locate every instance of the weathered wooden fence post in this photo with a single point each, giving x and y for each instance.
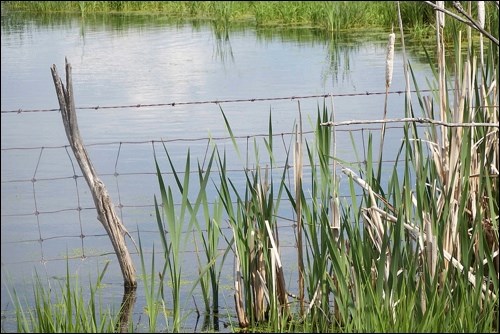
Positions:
(104, 206)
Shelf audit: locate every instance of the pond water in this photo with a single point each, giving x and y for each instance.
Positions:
(138, 80)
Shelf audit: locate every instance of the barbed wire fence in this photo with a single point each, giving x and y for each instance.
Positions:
(75, 217)
(223, 101)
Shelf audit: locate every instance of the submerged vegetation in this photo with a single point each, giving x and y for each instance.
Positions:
(415, 253)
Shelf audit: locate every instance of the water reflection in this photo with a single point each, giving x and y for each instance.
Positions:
(223, 49)
(126, 309)
(338, 43)
(221, 26)
(339, 51)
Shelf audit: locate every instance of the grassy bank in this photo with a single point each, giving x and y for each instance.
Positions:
(418, 17)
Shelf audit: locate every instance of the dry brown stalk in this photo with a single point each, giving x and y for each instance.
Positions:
(416, 233)
(298, 189)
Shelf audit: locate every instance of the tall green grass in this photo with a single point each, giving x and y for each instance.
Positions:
(417, 17)
(65, 310)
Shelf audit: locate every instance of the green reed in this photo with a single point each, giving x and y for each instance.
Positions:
(211, 241)
(421, 230)
(260, 290)
(153, 294)
(173, 235)
(210, 273)
(66, 309)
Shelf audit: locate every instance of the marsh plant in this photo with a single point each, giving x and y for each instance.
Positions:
(416, 250)
(63, 308)
(328, 16)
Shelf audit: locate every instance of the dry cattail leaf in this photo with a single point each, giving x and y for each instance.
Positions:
(480, 13)
(440, 14)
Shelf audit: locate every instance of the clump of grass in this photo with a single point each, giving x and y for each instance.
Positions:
(260, 291)
(211, 241)
(65, 310)
(433, 232)
(153, 293)
(173, 236)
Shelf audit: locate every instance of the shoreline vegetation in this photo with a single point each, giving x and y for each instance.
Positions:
(416, 253)
(417, 17)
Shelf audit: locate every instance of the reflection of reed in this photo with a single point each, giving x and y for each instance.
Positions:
(206, 322)
(223, 49)
(337, 60)
(223, 11)
(127, 306)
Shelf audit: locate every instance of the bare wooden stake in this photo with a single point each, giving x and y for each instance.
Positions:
(104, 206)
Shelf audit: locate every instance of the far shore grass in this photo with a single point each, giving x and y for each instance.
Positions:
(417, 16)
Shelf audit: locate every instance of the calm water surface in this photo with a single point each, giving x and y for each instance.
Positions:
(149, 60)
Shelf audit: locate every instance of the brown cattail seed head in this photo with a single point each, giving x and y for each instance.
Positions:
(389, 60)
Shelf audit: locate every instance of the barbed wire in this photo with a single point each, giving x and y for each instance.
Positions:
(173, 104)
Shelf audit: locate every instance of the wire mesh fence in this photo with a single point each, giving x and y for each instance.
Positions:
(48, 206)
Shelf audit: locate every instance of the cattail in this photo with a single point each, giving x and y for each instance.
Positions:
(389, 60)
(480, 13)
(440, 14)
(389, 64)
